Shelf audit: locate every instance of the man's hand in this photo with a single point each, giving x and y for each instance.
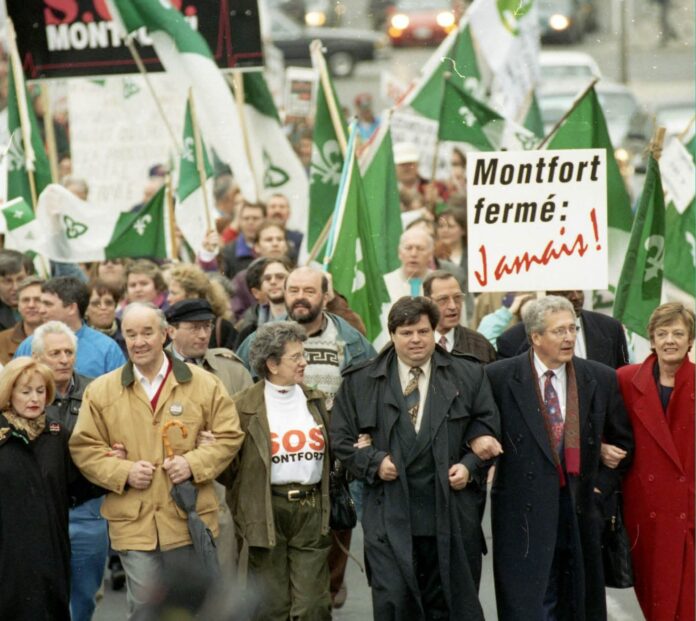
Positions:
(364, 440)
(118, 450)
(211, 241)
(519, 301)
(204, 438)
(612, 455)
(140, 475)
(486, 447)
(177, 468)
(458, 476)
(387, 470)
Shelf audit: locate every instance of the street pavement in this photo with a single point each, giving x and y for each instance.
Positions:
(621, 603)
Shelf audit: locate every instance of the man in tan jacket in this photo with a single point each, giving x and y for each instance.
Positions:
(131, 407)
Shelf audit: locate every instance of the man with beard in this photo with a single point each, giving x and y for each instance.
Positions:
(332, 345)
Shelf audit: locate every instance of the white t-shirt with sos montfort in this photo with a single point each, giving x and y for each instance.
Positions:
(297, 442)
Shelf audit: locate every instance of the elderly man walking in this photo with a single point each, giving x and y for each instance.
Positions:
(135, 406)
(556, 409)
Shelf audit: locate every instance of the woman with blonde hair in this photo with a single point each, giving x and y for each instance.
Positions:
(39, 482)
(188, 281)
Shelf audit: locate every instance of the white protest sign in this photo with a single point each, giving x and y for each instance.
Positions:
(300, 91)
(537, 220)
(117, 134)
(422, 132)
(678, 175)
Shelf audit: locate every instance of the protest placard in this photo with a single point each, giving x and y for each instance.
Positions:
(678, 174)
(537, 220)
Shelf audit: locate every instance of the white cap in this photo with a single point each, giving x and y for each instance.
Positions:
(405, 152)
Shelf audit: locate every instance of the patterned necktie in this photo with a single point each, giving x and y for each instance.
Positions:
(553, 411)
(443, 342)
(412, 395)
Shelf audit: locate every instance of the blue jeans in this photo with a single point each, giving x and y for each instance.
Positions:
(89, 544)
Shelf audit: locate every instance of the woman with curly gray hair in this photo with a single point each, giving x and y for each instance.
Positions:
(280, 480)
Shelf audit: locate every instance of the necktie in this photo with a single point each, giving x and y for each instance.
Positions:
(553, 411)
(443, 342)
(412, 394)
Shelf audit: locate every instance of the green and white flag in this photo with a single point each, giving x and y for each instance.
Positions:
(586, 128)
(455, 55)
(351, 255)
(329, 142)
(463, 118)
(382, 194)
(70, 230)
(678, 173)
(26, 153)
(187, 58)
(532, 117)
(639, 290)
(277, 168)
(191, 195)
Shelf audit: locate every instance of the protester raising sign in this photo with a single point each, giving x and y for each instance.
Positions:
(537, 220)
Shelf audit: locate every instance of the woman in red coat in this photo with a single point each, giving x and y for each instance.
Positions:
(659, 487)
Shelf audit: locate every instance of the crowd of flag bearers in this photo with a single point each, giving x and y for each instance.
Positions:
(194, 387)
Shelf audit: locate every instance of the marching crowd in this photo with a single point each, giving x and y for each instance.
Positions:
(246, 382)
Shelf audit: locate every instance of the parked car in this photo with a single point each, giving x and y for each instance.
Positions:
(315, 13)
(560, 67)
(345, 47)
(419, 22)
(566, 21)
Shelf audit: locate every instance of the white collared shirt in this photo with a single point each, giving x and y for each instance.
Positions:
(559, 381)
(151, 387)
(423, 383)
(580, 347)
(449, 339)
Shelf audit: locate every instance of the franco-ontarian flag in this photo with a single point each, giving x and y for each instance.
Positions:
(277, 168)
(463, 118)
(585, 128)
(191, 204)
(187, 58)
(70, 230)
(351, 255)
(639, 290)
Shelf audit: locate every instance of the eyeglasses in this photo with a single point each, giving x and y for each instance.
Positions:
(562, 332)
(104, 303)
(298, 357)
(441, 300)
(193, 328)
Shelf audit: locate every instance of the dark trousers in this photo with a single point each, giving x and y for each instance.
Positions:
(427, 569)
(560, 590)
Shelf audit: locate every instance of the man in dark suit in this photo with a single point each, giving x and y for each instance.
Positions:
(444, 289)
(414, 424)
(599, 337)
(549, 486)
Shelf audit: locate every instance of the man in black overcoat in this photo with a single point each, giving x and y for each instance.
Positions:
(549, 486)
(415, 424)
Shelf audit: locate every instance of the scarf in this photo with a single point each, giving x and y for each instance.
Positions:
(32, 427)
(571, 426)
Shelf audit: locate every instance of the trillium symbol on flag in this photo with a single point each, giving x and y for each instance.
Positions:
(73, 228)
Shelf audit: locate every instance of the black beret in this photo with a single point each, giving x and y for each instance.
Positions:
(190, 310)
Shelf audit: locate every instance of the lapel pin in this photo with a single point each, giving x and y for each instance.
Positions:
(176, 409)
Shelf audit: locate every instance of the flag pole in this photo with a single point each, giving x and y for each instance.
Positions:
(238, 82)
(656, 143)
(128, 40)
(200, 162)
(568, 112)
(51, 148)
(21, 93)
(320, 64)
(684, 133)
(169, 198)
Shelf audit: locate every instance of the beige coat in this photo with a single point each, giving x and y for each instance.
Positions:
(116, 409)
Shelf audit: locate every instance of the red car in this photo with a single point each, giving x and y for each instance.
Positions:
(419, 22)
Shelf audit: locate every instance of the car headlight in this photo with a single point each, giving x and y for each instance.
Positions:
(622, 156)
(445, 19)
(315, 18)
(400, 21)
(559, 22)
